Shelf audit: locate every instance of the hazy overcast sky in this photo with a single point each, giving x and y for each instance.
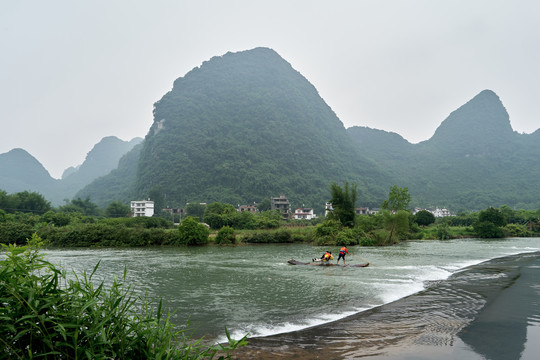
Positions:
(73, 72)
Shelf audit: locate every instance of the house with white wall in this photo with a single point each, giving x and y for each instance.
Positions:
(142, 208)
(304, 213)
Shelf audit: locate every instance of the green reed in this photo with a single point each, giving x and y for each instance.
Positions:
(46, 315)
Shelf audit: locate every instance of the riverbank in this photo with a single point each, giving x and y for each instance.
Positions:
(488, 311)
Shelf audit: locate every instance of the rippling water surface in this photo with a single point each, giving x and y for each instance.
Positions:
(253, 289)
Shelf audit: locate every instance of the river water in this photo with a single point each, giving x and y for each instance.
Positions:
(252, 289)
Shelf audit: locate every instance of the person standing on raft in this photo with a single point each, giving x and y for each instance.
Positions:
(342, 252)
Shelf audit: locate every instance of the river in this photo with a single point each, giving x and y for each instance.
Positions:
(252, 289)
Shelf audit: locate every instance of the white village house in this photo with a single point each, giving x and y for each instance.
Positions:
(142, 208)
(304, 213)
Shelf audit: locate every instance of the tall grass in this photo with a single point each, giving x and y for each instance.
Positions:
(45, 315)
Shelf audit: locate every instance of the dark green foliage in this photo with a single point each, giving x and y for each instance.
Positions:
(488, 230)
(398, 199)
(140, 222)
(516, 230)
(196, 210)
(85, 207)
(118, 185)
(326, 232)
(24, 201)
(264, 204)
(117, 209)
(348, 237)
(470, 163)
(46, 315)
(219, 214)
(269, 237)
(56, 218)
(15, 232)
(343, 202)
(396, 225)
(226, 235)
(492, 215)
(247, 126)
(442, 232)
(490, 223)
(191, 232)
(103, 234)
(424, 218)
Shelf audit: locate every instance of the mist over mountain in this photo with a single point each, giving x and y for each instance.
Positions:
(118, 185)
(474, 159)
(20, 171)
(101, 160)
(246, 126)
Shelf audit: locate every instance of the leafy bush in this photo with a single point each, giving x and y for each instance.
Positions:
(516, 230)
(48, 316)
(192, 233)
(443, 232)
(139, 221)
(15, 232)
(225, 235)
(487, 229)
(274, 237)
(424, 218)
(348, 237)
(104, 234)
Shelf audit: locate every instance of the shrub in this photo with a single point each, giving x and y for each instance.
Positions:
(348, 237)
(487, 229)
(226, 235)
(48, 316)
(192, 233)
(328, 229)
(517, 230)
(424, 218)
(15, 232)
(443, 232)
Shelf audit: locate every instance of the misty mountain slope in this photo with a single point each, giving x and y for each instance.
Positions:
(474, 160)
(20, 171)
(118, 185)
(383, 147)
(246, 126)
(99, 161)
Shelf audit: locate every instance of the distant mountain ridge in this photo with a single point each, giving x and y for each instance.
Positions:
(245, 126)
(20, 171)
(474, 159)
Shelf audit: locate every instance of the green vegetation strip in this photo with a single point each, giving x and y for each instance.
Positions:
(46, 315)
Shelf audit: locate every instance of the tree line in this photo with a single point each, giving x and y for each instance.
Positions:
(82, 223)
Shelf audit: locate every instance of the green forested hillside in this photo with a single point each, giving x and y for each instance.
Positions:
(246, 126)
(474, 160)
(118, 185)
(101, 160)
